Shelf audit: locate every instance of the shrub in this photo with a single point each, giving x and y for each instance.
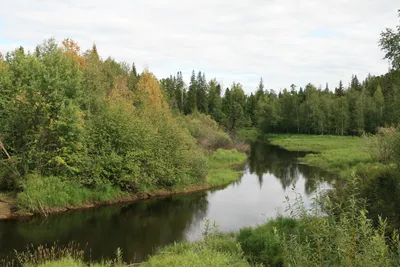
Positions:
(343, 236)
(262, 245)
(381, 146)
(206, 131)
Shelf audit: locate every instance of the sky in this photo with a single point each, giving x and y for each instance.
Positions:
(283, 41)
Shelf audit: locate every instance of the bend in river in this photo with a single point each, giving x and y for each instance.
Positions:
(139, 228)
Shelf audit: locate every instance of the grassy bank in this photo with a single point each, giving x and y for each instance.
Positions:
(216, 250)
(225, 167)
(344, 237)
(47, 195)
(337, 154)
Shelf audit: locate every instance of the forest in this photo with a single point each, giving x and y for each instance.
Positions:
(360, 107)
(94, 130)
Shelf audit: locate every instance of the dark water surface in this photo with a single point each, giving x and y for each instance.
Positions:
(139, 228)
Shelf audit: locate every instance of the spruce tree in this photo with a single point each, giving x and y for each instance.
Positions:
(191, 102)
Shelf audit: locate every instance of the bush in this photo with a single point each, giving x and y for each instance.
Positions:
(262, 245)
(140, 148)
(206, 131)
(381, 146)
(343, 236)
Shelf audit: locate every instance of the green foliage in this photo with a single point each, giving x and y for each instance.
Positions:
(338, 154)
(215, 250)
(390, 43)
(215, 101)
(343, 237)
(42, 194)
(206, 131)
(247, 134)
(57, 256)
(222, 166)
(382, 145)
(261, 244)
(234, 108)
(82, 123)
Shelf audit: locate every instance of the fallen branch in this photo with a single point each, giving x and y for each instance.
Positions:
(4, 149)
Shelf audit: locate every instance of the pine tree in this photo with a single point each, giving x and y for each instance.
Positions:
(180, 91)
(201, 93)
(355, 84)
(215, 101)
(226, 108)
(339, 91)
(191, 102)
(379, 102)
(132, 78)
(251, 109)
(260, 90)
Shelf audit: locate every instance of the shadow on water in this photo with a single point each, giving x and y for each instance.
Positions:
(284, 165)
(139, 228)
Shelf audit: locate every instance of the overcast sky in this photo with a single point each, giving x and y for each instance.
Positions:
(283, 41)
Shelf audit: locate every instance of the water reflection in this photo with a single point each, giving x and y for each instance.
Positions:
(265, 159)
(139, 228)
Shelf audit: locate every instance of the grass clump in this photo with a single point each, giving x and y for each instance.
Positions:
(223, 165)
(215, 250)
(46, 193)
(55, 255)
(337, 154)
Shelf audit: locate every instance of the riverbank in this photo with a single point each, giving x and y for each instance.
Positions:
(224, 167)
(337, 154)
(312, 239)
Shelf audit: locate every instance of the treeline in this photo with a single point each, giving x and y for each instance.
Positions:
(361, 107)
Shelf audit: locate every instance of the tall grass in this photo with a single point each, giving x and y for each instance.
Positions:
(224, 166)
(55, 255)
(338, 154)
(41, 194)
(344, 236)
(216, 249)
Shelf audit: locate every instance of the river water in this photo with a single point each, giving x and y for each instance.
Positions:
(139, 228)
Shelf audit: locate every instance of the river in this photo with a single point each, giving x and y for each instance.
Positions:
(139, 228)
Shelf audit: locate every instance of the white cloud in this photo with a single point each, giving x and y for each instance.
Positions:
(285, 42)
